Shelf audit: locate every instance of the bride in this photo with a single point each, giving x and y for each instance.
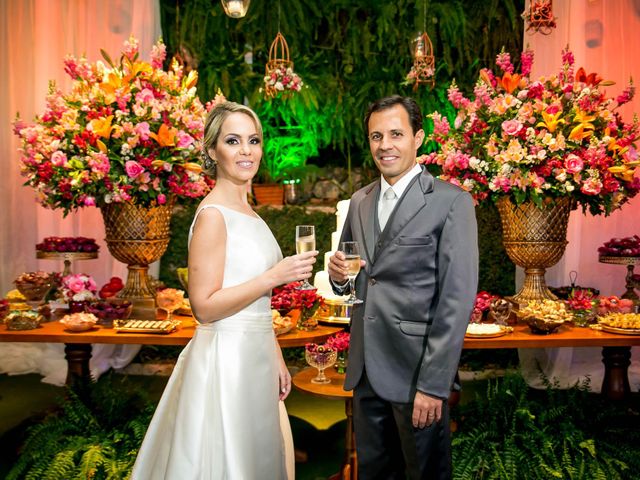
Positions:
(221, 415)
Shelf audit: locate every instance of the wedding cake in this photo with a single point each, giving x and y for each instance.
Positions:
(321, 280)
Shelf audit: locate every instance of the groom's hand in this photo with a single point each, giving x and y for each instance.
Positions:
(426, 410)
(338, 268)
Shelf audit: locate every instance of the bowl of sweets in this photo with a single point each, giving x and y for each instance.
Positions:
(545, 317)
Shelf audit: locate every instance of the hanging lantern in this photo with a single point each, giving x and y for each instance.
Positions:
(424, 62)
(279, 75)
(540, 17)
(235, 8)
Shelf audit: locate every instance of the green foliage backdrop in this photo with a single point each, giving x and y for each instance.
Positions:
(348, 53)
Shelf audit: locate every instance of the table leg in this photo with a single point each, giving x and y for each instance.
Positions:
(615, 385)
(349, 468)
(78, 356)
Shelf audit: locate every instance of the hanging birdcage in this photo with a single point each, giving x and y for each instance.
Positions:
(540, 17)
(423, 69)
(279, 76)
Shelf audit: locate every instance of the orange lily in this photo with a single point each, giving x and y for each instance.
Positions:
(193, 167)
(190, 80)
(584, 129)
(623, 171)
(510, 81)
(158, 163)
(113, 83)
(551, 121)
(591, 79)
(166, 136)
(102, 126)
(101, 146)
(136, 68)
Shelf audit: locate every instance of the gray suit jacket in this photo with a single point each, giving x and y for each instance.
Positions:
(418, 287)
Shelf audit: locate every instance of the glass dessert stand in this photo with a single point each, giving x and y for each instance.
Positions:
(66, 257)
(630, 263)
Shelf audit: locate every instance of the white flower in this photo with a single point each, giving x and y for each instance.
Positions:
(569, 187)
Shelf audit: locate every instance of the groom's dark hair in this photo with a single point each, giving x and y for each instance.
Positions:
(409, 104)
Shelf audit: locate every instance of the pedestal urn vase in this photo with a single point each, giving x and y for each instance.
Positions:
(535, 239)
(137, 236)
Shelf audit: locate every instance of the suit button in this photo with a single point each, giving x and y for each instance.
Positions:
(372, 281)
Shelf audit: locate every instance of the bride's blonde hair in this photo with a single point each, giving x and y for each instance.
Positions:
(213, 127)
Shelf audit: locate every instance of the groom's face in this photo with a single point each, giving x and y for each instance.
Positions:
(392, 142)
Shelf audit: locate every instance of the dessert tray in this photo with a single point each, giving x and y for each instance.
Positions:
(622, 323)
(145, 326)
(622, 331)
(486, 330)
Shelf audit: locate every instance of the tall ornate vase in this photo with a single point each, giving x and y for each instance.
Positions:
(137, 236)
(535, 239)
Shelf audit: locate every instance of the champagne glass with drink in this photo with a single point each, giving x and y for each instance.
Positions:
(351, 252)
(305, 242)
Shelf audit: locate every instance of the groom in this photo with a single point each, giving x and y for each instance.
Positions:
(418, 242)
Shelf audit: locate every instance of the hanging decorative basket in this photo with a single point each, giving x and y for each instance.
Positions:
(423, 69)
(279, 76)
(540, 17)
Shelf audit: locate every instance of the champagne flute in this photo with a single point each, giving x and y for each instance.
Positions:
(305, 242)
(351, 252)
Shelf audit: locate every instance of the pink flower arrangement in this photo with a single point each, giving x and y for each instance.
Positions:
(481, 306)
(339, 342)
(286, 298)
(127, 131)
(535, 139)
(283, 79)
(581, 300)
(78, 287)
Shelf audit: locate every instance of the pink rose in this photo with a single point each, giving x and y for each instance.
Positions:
(133, 169)
(90, 202)
(162, 199)
(76, 285)
(511, 127)
(573, 164)
(58, 158)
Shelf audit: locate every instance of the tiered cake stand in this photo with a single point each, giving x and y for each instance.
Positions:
(67, 257)
(630, 262)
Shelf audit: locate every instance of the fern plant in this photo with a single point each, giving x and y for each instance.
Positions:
(96, 438)
(518, 433)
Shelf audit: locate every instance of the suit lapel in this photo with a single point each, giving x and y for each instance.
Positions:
(367, 213)
(409, 204)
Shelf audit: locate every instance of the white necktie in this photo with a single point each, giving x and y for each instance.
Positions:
(386, 207)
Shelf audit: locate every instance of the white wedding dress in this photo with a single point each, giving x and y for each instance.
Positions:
(219, 416)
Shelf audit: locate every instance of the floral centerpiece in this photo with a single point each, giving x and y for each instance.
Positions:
(283, 79)
(581, 305)
(526, 139)
(78, 287)
(481, 306)
(340, 343)
(288, 298)
(127, 131)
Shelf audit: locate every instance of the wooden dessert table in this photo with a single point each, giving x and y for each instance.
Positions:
(78, 345)
(616, 350)
(333, 390)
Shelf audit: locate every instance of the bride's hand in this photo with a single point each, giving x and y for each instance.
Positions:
(293, 268)
(284, 378)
